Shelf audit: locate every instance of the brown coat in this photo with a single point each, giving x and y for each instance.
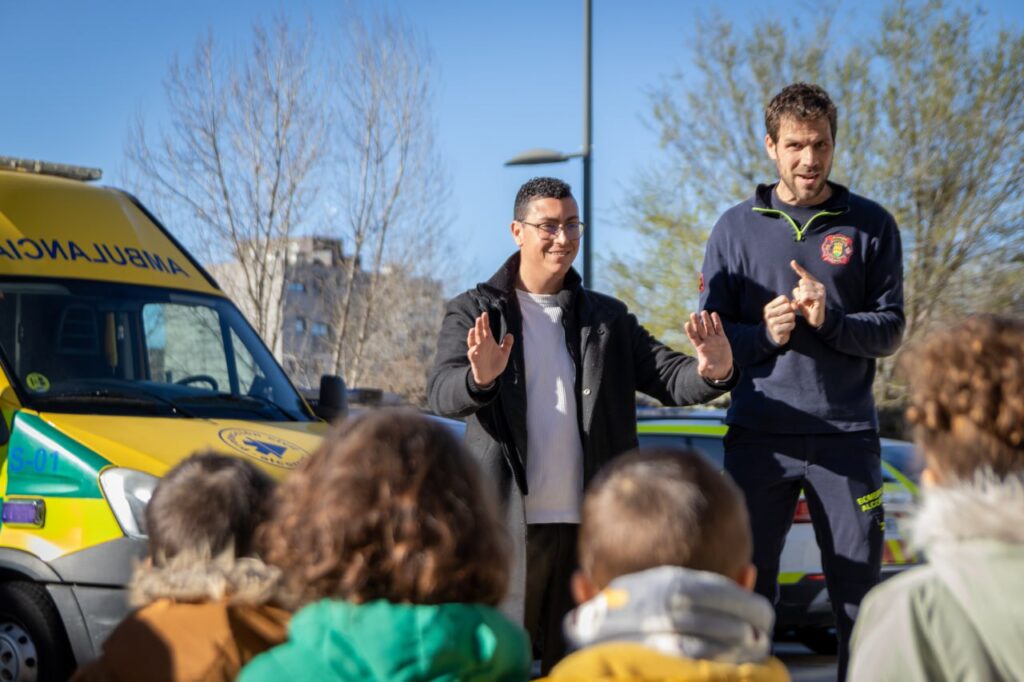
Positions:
(201, 619)
(180, 641)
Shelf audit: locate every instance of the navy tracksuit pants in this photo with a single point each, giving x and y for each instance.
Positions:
(841, 477)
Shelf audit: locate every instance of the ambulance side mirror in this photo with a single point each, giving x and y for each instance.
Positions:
(333, 401)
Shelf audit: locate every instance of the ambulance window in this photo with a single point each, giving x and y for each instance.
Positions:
(250, 379)
(185, 341)
(9, 327)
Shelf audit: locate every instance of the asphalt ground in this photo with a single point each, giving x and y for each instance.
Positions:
(804, 665)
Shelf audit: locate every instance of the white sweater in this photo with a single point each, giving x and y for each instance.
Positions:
(554, 459)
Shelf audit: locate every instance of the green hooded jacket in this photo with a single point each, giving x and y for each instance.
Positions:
(378, 641)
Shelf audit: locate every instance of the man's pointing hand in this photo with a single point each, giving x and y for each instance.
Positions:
(808, 296)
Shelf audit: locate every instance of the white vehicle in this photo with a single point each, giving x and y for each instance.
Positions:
(803, 607)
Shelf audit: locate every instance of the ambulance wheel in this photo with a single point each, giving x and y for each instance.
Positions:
(33, 646)
(819, 640)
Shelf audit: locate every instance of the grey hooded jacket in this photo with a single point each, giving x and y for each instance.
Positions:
(680, 612)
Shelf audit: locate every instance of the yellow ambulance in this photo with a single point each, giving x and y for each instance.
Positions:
(119, 357)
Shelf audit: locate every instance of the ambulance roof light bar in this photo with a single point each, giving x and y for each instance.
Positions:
(62, 170)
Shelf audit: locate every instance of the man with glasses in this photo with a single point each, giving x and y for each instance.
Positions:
(545, 372)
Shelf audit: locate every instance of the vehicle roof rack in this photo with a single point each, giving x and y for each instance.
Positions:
(62, 170)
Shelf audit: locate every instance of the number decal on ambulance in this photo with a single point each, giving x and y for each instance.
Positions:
(41, 461)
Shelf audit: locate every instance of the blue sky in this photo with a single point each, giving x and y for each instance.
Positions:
(75, 74)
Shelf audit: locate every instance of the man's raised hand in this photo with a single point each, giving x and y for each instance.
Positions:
(808, 296)
(714, 354)
(487, 358)
(779, 319)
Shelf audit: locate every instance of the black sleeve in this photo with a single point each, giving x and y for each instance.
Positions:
(451, 391)
(668, 375)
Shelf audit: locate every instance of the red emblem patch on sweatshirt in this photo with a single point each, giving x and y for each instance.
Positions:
(837, 249)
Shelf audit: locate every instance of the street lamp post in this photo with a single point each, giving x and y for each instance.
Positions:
(540, 156)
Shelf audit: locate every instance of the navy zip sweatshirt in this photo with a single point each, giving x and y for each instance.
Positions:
(820, 381)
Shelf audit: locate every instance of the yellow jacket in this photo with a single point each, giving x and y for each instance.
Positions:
(627, 661)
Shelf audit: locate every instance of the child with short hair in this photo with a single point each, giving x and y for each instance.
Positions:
(958, 617)
(206, 601)
(665, 581)
(397, 558)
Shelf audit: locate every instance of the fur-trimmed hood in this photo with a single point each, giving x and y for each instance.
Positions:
(194, 577)
(984, 508)
(958, 615)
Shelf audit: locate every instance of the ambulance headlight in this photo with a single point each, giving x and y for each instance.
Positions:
(128, 492)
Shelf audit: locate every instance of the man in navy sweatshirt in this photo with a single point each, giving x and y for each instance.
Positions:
(807, 278)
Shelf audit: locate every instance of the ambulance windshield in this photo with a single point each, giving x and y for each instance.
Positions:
(105, 348)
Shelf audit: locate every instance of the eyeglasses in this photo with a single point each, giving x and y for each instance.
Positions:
(573, 230)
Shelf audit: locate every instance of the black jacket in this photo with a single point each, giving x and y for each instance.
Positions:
(614, 357)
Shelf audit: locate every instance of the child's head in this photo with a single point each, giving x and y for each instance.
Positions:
(967, 398)
(389, 507)
(206, 506)
(662, 507)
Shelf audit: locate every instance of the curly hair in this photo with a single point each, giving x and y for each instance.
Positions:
(391, 506)
(967, 397)
(662, 507)
(800, 101)
(539, 188)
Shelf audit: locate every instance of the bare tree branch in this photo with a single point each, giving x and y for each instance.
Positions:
(236, 163)
(931, 125)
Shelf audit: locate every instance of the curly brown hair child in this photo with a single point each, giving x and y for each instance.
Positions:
(391, 546)
(957, 617)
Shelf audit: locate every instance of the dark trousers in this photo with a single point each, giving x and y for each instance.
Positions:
(841, 477)
(550, 562)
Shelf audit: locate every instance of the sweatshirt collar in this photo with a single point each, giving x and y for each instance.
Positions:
(836, 204)
(839, 201)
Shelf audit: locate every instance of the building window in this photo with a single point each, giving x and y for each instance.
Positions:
(319, 329)
(300, 325)
(299, 287)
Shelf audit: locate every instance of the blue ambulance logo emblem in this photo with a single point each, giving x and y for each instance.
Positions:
(263, 447)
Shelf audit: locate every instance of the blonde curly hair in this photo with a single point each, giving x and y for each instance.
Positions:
(967, 397)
